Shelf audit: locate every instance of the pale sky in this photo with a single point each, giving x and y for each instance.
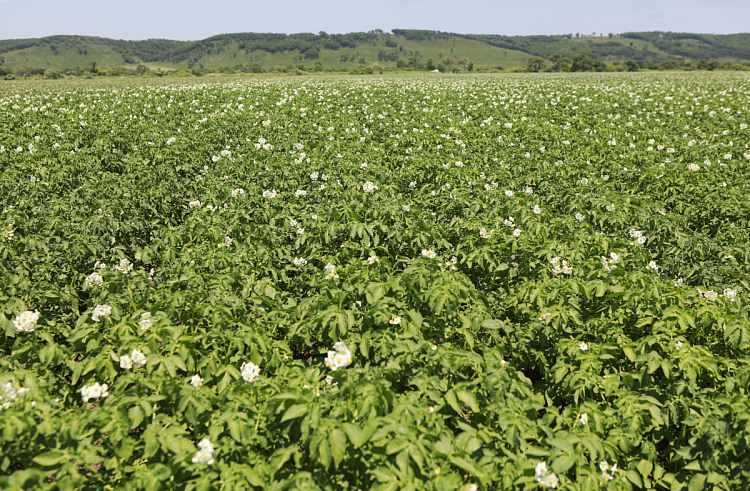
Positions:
(199, 19)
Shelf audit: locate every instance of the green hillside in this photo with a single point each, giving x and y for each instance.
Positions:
(374, 49)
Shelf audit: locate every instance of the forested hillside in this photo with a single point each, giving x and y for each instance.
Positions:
(374, 50)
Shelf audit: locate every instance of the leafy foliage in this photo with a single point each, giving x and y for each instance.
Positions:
(521, 270)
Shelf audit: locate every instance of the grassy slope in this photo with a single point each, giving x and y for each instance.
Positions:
(480, 53)
(67, 57)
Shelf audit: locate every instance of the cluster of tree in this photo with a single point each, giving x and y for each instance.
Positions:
(697, 46)
(144, 50)
(91, 71)
(583, 63)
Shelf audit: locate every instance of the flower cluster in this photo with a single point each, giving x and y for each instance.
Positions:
(7, 235)
(608, 473)
(339, 357)
(373, 260)
(8, 394)
(124, 267)
(250, 371)
(509, 222)
(26, 321)
(299, 261)
(429, 253)
(134, 359)
(395, 320)
(270, 194)
(205, 453)
(194, 204)
(145, 321)
(330, 270)
(544, 478)
(94, 391)
(710, 295)
(369, 187)
(640, 239)
(94, 279)
(227, 242)
(484, 234)
(559, 266)
(101, 311)
(609, 264)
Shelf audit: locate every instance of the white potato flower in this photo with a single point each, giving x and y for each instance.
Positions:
(94, 279)
(26, 321)
(339, 357)
(145, 321)
(101, 311)
(126, 362)
(124, 267)
(250, 371)
(196, 381)
(139, 359)
(94, 391)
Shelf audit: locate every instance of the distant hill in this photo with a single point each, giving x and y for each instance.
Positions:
(374, 49)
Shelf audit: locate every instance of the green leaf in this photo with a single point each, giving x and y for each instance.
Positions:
(359, 436)
(468, 399)
(338, 445)
(563, 445)
(629, 353)
(50, 458)
(633, 477)
(450, 398)
(645, 467)
(563, 463)
(294, 411)
(135, 414)
(469, 467)
(697, 482)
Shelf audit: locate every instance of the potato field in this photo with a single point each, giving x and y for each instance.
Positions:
(379, 283)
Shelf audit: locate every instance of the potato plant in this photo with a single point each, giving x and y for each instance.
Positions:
(419, 283)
